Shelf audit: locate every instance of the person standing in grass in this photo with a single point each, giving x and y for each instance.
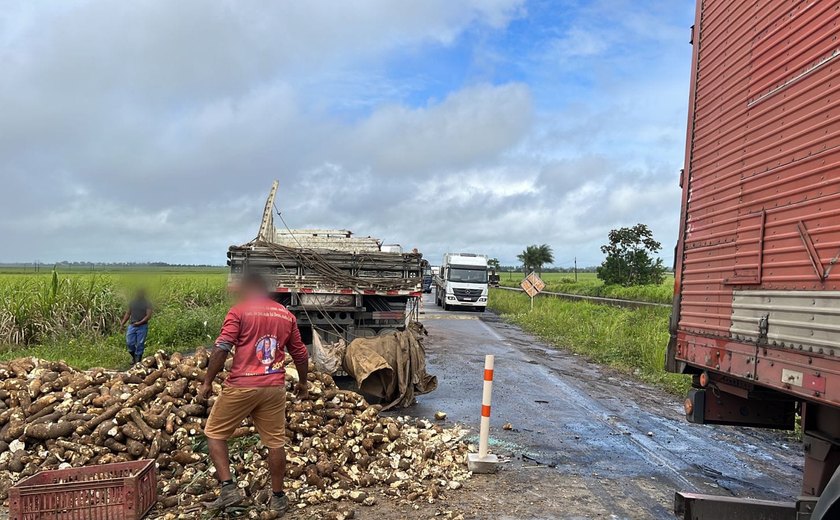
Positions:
(137, 316)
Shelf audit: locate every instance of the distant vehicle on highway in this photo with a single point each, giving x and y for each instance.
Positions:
(493, 278)
(462, 281)
(428, 277)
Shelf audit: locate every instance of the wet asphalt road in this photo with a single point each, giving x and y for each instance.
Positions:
(588, 427)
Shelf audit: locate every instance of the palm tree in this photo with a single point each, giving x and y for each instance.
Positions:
(534, 257)
(524, 260)
(544, 256)
(529, 258)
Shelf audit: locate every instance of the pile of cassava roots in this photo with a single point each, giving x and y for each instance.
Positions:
(339, 448)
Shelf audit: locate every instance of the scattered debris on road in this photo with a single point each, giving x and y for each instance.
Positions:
(440, 416)
(526, 457)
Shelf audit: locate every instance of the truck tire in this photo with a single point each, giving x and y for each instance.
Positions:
(480, 309)
(446, 307)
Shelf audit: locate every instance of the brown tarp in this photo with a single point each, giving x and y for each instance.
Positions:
(391, 367)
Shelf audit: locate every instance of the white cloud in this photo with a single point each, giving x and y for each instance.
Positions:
(576, 43)
(151, 131)
(468, 126)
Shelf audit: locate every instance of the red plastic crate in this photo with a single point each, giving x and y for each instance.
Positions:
(121, 491)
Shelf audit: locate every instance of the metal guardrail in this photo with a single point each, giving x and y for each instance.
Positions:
(630, 304)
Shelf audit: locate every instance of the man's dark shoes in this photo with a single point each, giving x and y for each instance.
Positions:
(279, 504)
(229, 496)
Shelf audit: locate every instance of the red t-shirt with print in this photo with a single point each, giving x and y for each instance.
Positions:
(261, 330)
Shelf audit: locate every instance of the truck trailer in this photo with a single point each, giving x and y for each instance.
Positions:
(756, 310)
(339, 284)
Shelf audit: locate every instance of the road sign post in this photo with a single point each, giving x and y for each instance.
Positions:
(532, 285)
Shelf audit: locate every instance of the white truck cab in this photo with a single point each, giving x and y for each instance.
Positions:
(462, 281)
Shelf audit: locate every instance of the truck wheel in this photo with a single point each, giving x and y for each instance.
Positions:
(446, 307)
(480, 309)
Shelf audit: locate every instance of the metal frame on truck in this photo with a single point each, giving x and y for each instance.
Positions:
(334, 282)
(756, 313)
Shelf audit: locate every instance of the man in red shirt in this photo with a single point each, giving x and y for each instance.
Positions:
(258, 331)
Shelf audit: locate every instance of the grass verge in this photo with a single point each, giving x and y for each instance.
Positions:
(632, 340)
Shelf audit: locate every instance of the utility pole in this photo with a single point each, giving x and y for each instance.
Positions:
(575, 269)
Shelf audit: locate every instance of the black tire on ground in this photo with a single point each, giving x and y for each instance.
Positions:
(447, 307)
(480, 309)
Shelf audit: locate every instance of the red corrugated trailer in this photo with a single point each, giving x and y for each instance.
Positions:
(756, 314)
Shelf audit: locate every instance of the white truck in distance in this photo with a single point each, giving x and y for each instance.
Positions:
(462, 281)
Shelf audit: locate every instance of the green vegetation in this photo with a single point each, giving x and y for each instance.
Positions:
(630, 258)
(534, 257)
(629, 339)
(75, 317)
(589, 285)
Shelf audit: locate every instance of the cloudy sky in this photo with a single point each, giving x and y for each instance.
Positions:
(152, 130)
